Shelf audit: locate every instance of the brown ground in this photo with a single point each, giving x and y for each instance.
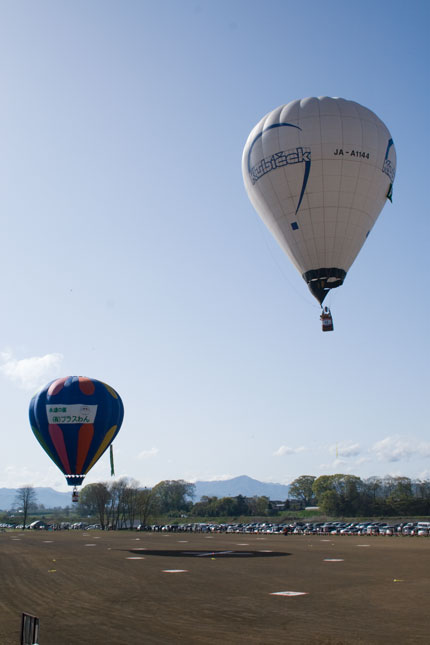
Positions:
(94, 594)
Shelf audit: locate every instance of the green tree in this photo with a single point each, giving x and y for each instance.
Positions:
(95, 499)
(339, 494)
(115, 510)
(401, 497)
(206, 507)
(145, 505)
(258, 506)
(301, 489)
(422, 494)
(171, 495)
(131, 502)
(321, 485)
(245, 505)
(330, 503)
(373, 486)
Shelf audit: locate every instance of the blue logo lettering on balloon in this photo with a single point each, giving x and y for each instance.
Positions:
(388, 167)
(280, 159)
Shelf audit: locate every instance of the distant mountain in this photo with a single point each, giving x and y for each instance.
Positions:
(49, 497)
(242, 485)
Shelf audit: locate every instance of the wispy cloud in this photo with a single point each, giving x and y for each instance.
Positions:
(345, 449)
(337, 466)
(339, 462)
(398, 449)
(287, 450)
(362, 460)
(147, 454)
(202, 477)
(29, 373)
(16, 476)
(215, 478)
(424, 449)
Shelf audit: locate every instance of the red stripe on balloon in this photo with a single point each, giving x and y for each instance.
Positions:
(86, 385)
(86, 434)
(57, 437)
(57, 386)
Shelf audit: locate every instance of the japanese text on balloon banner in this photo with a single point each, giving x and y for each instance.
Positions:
(67, 418)
(75, 413)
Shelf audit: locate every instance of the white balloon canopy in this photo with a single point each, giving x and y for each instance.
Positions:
(318, 172)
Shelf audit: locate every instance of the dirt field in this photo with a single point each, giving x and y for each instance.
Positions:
(113, 588)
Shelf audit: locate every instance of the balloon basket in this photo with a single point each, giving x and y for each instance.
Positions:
(327, 320)
(75, 495)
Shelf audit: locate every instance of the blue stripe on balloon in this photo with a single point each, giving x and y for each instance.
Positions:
(275, 125)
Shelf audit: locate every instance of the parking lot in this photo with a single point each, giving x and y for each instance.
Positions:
(369, 527)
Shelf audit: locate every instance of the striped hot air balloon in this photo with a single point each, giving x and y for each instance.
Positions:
(75, 419)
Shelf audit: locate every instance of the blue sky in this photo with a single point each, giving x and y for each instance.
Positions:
(132, 254)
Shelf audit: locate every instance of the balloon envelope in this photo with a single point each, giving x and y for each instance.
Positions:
(318, 172)
(75, 419)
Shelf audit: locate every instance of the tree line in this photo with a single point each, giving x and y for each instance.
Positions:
(124, 503)
(351, 496)
(341, 495)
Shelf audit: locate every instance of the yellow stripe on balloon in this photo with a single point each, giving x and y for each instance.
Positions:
(105, 443)
(110, 390)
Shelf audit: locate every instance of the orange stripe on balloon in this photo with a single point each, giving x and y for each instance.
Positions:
(105, 443)
(57, 437)
(86, 434)
(57, 386)
(86, 385)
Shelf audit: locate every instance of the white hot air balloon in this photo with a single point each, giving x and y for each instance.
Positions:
(318, 172)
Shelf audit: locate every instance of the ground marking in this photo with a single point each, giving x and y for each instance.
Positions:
(90, 544)
(289, 593)
(135, 557)
(333, 560)
(175, 570)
